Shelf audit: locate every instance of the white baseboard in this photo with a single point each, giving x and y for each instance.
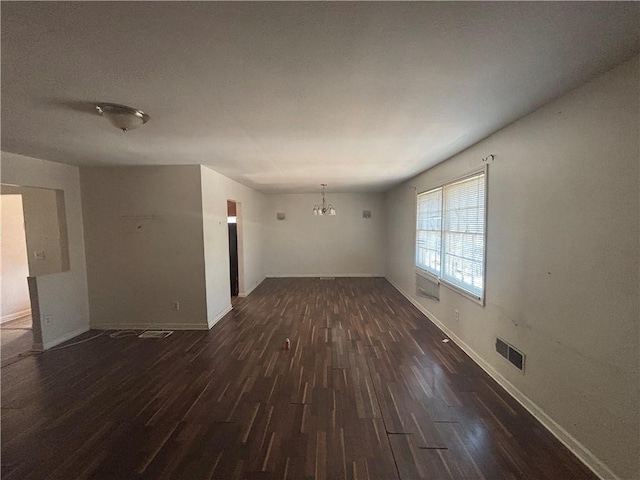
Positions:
(246, 294)
(15, 316)
(327, 275)
(59, 340)
(577, 448)
(218, 317)
(151, 326)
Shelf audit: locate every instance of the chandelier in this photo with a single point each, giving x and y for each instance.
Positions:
(325, 208)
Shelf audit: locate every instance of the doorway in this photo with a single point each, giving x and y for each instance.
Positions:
(34, 243)
(16, 325)
(232, 222)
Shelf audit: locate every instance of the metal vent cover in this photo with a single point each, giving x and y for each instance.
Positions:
(512, 354)
(155, 334)
(426, 287)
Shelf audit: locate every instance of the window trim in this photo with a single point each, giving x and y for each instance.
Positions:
(439, 278)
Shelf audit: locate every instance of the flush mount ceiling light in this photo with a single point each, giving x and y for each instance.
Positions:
(122, 117)
(325, 208)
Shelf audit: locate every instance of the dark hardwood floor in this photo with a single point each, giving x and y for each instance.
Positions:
(368, 390)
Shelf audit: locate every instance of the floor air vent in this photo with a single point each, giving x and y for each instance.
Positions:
(155, 334)
(515, 357)
(327, 278)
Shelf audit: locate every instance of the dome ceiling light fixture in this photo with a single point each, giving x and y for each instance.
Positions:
(122, 117)
(325, 208)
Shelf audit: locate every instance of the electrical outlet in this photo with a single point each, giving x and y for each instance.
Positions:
(456, 315)
(39, 255)
(175, 305)
(48, 319)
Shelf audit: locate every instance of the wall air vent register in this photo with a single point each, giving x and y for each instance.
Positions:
(513, 355)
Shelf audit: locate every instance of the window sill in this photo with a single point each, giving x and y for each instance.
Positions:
(427, 275)
(463, 292)
(441, 281)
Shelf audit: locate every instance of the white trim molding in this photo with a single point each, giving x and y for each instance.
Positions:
(67, 336)
(248, 292)
(577, 448)
(219, 317)
(328, 275)
(150, 326)
(164, 326)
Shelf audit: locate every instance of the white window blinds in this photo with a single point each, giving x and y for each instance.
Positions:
(463, 234)
(429, 231)
(450, 233)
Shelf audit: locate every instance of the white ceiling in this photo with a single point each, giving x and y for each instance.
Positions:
(285, 96)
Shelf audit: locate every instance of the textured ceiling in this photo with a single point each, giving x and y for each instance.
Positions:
(285, 96)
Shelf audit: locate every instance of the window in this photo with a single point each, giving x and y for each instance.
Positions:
(429, 231)
(450, 234)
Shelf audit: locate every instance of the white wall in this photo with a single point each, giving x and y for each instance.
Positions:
(562, 265)
(43, 231)
(45, 228)
(216, 190)
(342, 245)
(62, 296)
(143, 230)
(13, 262)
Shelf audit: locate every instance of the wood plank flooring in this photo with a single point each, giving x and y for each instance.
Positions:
(368, 390)
(16, 338)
